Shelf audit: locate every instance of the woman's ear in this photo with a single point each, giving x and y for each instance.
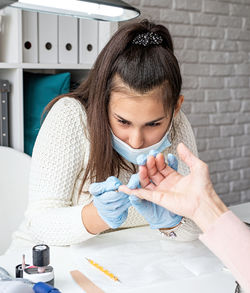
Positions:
(178, 105)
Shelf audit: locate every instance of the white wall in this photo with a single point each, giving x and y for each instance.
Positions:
(212, 44)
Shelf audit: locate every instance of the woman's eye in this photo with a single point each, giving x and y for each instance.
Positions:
(154, 124)
(123, 122)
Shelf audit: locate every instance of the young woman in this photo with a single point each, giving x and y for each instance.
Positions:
(129, 103)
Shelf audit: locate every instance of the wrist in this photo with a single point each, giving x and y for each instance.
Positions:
(186, 230)
(170, 228)
(92, 221)
(209, 210)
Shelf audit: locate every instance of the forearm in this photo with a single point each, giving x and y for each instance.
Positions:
(64, 225)
(92, 222)
(229, 239)
(55, 226)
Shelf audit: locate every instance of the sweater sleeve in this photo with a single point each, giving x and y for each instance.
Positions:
(57, 160)
(229, 239)
(182, 132)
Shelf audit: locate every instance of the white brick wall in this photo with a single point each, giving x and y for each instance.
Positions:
(212, 44)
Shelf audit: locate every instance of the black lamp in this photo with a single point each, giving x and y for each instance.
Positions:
(109, 10)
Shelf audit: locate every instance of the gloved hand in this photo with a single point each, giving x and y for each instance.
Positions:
(156, 216)
(112, 205)
(11, 285)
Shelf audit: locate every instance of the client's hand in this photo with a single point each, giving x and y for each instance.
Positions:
(112, 206)
(191, 196)
(156, 216)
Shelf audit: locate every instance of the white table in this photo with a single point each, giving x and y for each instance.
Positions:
(65, 259)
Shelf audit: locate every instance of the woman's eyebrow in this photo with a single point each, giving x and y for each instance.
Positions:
(153, 121)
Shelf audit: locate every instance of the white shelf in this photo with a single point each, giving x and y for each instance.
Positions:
(12, 66)
(4, 65)
(55, 66)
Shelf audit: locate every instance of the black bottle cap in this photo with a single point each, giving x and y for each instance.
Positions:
(41, 255)
(19, 270)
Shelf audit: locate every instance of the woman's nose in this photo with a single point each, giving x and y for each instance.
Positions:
(136, 139)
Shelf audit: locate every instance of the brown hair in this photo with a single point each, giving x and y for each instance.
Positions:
(142, 68)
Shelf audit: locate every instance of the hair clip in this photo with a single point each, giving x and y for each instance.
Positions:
(148, 38)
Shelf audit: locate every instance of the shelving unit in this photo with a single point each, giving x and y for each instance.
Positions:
(12, 67)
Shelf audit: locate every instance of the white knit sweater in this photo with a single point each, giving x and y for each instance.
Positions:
(59, 159)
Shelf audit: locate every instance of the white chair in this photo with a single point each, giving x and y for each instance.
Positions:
(14, 177)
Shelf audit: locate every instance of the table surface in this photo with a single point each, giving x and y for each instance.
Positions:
(139, 245)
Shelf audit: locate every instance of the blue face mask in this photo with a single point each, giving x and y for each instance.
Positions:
(131, 154)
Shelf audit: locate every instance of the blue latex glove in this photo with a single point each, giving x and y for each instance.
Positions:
(142, 159)
(41, 287)
(156, 216)
(112, 205)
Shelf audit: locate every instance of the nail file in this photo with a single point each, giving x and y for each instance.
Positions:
(85, 283)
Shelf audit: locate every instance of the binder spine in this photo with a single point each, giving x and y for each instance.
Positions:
(30, 36)
(4, 125)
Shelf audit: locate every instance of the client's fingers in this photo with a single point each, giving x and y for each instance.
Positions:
(125, 189)
(162, 167)
(153, 172)
(143, 175)
(144, 178)
(187, 157)
(150, 195)
(160, 162)
(165, 199)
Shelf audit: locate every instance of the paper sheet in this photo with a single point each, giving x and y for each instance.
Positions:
(141, 257)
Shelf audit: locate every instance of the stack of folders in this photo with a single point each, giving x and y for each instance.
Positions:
(49, 38)
(4, 121)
